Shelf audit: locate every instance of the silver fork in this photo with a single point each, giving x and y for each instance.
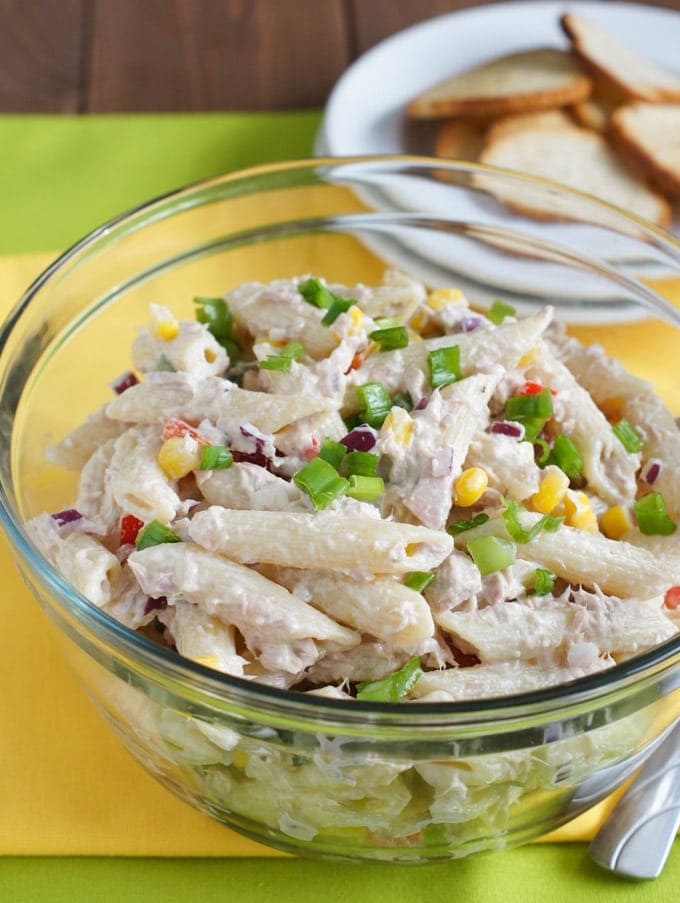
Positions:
(638, 835)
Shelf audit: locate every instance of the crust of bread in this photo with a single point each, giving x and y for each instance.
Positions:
(521, 82)
(626, 71)
(650, 134)
(459, 139)
(580, 159)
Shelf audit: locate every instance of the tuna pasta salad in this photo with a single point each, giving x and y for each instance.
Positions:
(375, 493)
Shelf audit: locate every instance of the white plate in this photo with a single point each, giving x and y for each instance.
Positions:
(365, 111)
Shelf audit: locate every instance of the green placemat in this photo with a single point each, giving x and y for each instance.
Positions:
(62, 176)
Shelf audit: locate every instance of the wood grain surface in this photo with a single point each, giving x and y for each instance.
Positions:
(103, 56)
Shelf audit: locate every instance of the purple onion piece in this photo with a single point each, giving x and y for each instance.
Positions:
(469, 324)
(508, 428)
(124, 381)
(361, 438)
(155, 604)
(651, 471)
(68, 516)
(259, 441)
(422, 403)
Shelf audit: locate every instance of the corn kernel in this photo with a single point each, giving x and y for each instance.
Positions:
(166, 330)
(578, 512)
(419, 321)
(440, 297)
(357, 318)
(551, 490)
(240, 759)
(209, 661)
(615, 522)
(613, 408)
(470, 486)
(399, 424)
(178, 456)
(529, 357)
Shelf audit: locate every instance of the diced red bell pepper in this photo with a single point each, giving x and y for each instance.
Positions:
(129, 528)
(176, 428)
(672, 597)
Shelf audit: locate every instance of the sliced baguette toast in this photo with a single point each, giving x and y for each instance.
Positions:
(632, 75)
(519, 82)
(459, 139)
(650, 133)
(580, 159)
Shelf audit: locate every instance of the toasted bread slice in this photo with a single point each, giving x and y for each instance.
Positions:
(459, 139)
(650, 133)
(628, 72)
(548, 119)
(579, 159)
(517, 83)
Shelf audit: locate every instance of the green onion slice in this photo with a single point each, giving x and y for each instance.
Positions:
(460, 526)
(419, 580)
(376, 404)
(315, 292)
(361, 463)
(499, 311)
(402, 400)
(215, 313)
(216, 457)
(293, 351)
(155, 534)
(491, 553)
(444, 364)
(339, 306)
(365, 489)
(629, 437)
(544, 581)
(539, 405)
(394, 687)
(542, 456)
(390, 338)
(652, 517)
(518, 532)
(321, 481)
(566, 456)
(332, 451)
(163, 363)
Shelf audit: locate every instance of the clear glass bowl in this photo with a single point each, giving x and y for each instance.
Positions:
(314, 776)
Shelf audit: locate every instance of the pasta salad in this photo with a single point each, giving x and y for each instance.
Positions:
(375, 493)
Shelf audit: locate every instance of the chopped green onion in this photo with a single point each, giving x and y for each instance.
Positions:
(154, 534)
(629, 437)
(321, 481)
(391, 337)
(491, 553)
(163, 363)
(402, 400)
(216, 457)
(339, 306)
(332, 451)
(533, 406)
(394, 687)
(215, 313)
(386, 322)
(316, 293)
(444, 364)
(293, 351)
(543, 456)
(566, 456)
(544, 581)
(533, 427)
(499, 311)
(361, 463)
(460, 526)
(516, 530)
(652, 517)
(376, 404)
(419, 580)
(365, 489)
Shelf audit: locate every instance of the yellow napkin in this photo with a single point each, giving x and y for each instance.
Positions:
(67, 786)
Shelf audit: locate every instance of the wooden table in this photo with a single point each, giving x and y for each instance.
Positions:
(101, 56)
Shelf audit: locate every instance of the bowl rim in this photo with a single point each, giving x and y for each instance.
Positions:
(169, 664)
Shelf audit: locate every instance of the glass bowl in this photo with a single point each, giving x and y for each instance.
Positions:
(310, 775)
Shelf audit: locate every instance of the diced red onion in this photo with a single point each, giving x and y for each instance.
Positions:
(68, 516)
(257, 458)
(422, 403)
(124, 381)
(651, 471)
(361, 438)
(469, 324)
(508, 428)
(155, 604)
(249, 434)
